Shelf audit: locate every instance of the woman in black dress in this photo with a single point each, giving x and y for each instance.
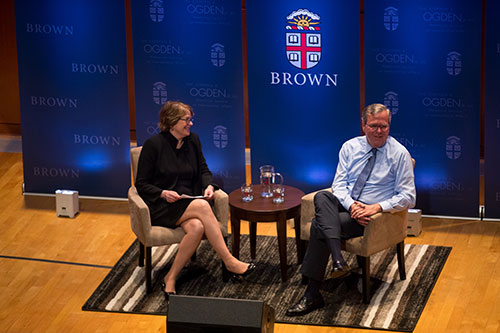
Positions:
(171, 164)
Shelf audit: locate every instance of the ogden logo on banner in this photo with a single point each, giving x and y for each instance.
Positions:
(192, 51)
(73, 93)
(423, 62)
(303, 61)
(492, 112)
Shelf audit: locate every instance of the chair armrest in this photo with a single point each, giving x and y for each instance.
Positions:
(140, 219)
(384, 230)
(307, 213)
(221, 209)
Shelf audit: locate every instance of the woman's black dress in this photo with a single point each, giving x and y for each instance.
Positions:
(164, 167)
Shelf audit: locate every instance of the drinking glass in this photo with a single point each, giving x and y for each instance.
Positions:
(278, 193)
(247, 192)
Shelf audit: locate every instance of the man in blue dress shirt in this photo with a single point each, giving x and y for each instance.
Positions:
(374, 174)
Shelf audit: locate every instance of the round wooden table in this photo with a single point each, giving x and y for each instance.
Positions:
(265, 210)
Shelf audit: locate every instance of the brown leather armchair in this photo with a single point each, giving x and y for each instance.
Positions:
(149, 235)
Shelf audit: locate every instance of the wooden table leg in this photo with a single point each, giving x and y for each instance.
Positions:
(235, 229)
(281, 230)
(253, 238)
(298, 241)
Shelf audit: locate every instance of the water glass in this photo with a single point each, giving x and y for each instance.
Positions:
(278, 194)
(247, 192)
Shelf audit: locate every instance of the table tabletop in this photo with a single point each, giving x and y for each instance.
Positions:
(260, 204)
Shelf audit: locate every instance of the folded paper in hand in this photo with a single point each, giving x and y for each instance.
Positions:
(185, 196)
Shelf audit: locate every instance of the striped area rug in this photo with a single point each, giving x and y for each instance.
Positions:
(395, 304)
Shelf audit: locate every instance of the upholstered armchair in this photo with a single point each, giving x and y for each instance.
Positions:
(384, 231)
(149, 235)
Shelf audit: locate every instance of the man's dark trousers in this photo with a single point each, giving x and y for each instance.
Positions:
(332, 221)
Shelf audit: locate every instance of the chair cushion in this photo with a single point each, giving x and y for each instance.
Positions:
(159, 236)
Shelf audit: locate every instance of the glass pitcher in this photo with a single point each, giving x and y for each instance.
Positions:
(267, 178)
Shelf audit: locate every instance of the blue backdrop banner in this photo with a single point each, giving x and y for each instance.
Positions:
(192, 51)
(492, 112)
(304, 67)
(423, 62)
(73, 94)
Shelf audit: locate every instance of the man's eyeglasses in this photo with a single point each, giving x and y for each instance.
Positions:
(374, 127)
(188, 120)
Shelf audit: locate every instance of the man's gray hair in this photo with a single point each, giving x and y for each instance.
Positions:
(373, 109)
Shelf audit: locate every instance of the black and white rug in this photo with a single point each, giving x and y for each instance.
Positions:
(395, 304)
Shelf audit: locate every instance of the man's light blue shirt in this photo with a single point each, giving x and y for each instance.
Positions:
(391, 183)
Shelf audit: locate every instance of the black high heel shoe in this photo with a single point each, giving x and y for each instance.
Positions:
(226, 274)
(166, 293)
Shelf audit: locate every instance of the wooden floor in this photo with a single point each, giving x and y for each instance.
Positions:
(49, 266)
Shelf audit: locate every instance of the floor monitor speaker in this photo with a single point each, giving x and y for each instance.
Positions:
(196, 314)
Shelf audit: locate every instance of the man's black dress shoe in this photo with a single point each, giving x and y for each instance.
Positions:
(339, 270)
(304, 306)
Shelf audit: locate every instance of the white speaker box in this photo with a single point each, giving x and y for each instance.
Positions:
(67, 203)
(414, 227)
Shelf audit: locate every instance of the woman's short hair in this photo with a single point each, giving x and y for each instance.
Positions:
(171, 112)
(373, 109)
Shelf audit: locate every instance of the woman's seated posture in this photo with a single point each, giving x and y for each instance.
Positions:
(171, 164)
